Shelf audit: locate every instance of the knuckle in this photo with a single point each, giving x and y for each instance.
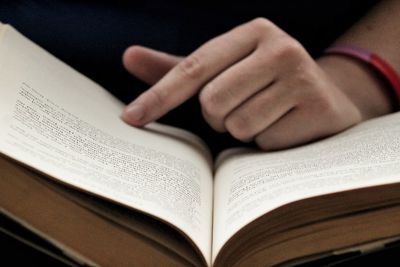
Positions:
(261, 24)
(217, 125)
(210, 103)
(158, 99)
(293, 47)
(288, 50)
(191, 67)
(239, 127)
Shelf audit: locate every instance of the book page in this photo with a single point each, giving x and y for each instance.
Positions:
(62, 124)
(251, 183)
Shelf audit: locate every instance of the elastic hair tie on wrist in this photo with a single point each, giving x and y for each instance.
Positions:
(375, 61)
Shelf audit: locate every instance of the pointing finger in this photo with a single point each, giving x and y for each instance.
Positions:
(188, 77)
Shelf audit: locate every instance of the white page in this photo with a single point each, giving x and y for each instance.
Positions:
(249, 183)
(61, 123)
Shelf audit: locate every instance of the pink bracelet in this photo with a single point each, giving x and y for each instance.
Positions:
(373, 60)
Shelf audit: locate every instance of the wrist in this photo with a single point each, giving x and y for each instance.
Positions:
(360, 83)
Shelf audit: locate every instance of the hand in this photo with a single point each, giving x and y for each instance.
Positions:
(255, 81)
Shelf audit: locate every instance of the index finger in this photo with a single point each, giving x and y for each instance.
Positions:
(188, 77)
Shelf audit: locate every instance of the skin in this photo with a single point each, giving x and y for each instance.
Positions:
(258, 83)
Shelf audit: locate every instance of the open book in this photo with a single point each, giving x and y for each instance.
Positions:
(113, 195)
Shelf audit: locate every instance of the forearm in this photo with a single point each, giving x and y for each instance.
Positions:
(378, 32)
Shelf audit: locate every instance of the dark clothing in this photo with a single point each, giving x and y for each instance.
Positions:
(92, 35)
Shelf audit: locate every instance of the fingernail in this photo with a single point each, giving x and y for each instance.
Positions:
(134, 112)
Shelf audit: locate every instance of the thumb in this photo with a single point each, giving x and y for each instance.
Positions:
(147, 64)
